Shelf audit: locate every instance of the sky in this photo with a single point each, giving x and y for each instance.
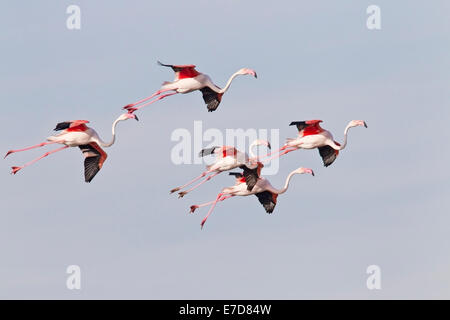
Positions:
(383, 202)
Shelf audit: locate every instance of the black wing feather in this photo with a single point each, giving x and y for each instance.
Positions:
(62, 126)
(266, 200)
(300, 125)
(211, 98)
(328, 155)
(236, 174)
(251, 176)
(91, 162)
(174, 68)
(207, 151)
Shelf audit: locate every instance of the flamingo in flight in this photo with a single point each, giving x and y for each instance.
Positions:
(311, 136)
(266, 193)
(187, 79)
(226, 158)
(77, 134)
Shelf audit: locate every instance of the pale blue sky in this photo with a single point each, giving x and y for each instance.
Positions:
(384, 201)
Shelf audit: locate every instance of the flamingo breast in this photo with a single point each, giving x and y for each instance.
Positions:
(74, 139)
(314, 141)
(189, 84)
(225, 164)
(241, 190)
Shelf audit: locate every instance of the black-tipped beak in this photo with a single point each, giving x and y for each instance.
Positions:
(312, 173)
(256, 76)
(268, 145)
(135, 117)
(365, 124)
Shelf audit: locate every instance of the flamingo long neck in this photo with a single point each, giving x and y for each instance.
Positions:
(250, 149)
(109, 144)
(227, 86)
(286, 185)
(344, 143)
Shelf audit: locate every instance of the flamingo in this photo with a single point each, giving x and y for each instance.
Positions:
(266, 193)
(77, 134)
(187, 79)
(227, 158)
(311, 136)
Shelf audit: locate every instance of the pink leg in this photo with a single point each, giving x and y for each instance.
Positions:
(279, 155)
(196, 206)
(211, 209)
(16, 169)
(190, 182)
(32, 147)
(131, 105)
(133, 109)
(183, 193)
(274, 152)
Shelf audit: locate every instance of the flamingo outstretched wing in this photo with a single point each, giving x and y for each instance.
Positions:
(308, 127)
(94, 157)
(182, 71)
(219, 152)
(212, 99)
(239, 177)
(251, 175)
(328, 155)
(75, 125)
(268, 200)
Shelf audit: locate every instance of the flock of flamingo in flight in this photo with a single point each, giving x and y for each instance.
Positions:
(248, 182)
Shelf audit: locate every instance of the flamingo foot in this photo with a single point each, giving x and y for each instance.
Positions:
(203, 223)
(8, 153)
(129, 106)
(174, 190)
(131, 109)
(182, 194)
(15, 169)
(193, 208)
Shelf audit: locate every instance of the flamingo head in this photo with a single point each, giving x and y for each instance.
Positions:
(356, 123)
(127, 116)
(244, 71)
(260, 142)
(304, 170)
